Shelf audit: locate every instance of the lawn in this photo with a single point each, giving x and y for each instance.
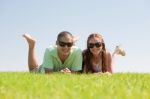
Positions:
(24, 85)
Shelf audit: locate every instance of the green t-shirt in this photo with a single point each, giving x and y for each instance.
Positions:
(52, 61)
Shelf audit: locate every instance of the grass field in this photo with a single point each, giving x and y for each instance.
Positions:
(23, 85)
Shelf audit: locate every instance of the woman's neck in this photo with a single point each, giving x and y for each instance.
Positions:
(96, 58)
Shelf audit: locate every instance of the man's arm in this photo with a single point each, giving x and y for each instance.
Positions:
(48, 71)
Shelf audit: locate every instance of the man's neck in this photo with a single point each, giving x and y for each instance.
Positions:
(63, 57)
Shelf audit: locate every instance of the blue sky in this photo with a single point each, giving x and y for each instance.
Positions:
(124, 22)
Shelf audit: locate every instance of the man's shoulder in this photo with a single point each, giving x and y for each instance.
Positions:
(76, 49)
(52, 50)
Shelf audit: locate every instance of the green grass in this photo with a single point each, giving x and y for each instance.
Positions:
(19, 85)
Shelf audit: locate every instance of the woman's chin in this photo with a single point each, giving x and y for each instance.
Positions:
(95, 53)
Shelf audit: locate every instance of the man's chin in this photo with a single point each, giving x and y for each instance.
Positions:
(65, 54)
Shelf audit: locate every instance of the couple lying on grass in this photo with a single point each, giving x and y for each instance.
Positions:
(67, 58)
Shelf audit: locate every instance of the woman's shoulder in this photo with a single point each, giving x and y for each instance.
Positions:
(85, 51)
(108, 53)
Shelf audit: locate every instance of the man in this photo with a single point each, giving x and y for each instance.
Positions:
(63, 57)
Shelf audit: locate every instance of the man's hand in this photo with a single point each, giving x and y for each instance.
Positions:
(66, 70)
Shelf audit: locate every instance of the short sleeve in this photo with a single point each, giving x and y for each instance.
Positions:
(47, 60)
(77, 63)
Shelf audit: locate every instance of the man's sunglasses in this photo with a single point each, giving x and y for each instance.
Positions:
(97, 45)
(63, 44)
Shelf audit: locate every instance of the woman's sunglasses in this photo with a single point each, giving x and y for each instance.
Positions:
(63, 44)
(97, 45)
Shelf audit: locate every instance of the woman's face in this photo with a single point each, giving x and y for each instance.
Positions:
(64, 45)
(95, 45)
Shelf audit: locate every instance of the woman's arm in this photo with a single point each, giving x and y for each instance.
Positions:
(109, 62)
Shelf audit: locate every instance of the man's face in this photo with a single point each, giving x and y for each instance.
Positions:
(64, 45)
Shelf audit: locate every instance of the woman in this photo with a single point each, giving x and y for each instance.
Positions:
(96, 59)
(62, 57)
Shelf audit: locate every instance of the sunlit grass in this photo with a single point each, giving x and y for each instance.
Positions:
(19, 85)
